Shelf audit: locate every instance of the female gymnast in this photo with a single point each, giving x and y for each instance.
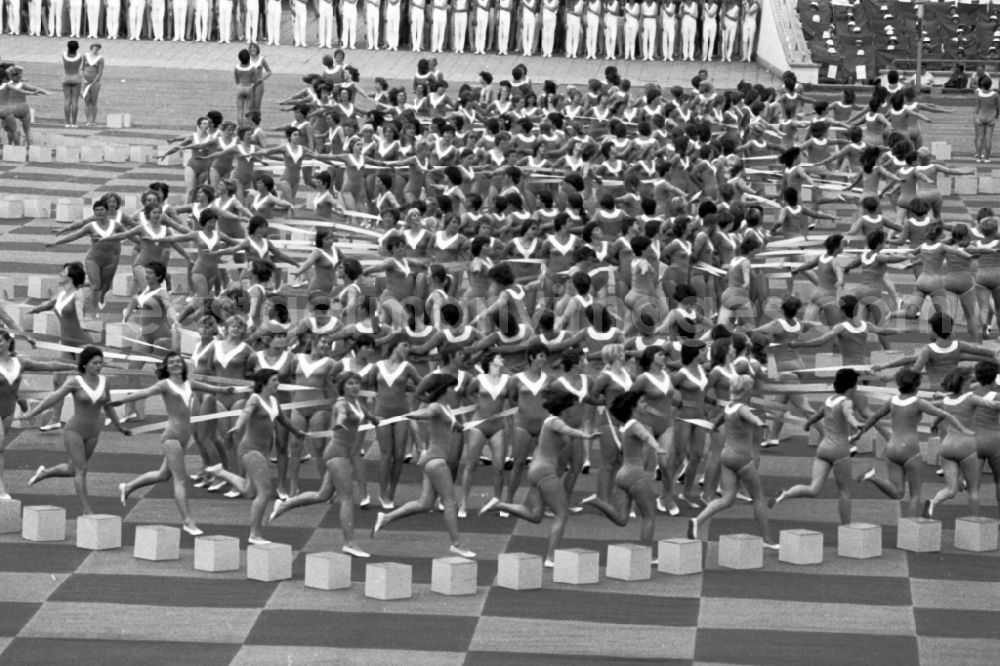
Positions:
(338, 461)
(91, 405)
(177, 392)
(547, 488)
(437, 481)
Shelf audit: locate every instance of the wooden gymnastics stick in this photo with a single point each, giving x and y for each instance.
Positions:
(53, 346)
(156, 427)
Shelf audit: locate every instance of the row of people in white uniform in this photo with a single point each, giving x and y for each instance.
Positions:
(592, 28)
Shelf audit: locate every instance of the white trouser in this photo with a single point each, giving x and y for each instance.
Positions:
(274, 22)
(649, 38)
(728, 38)
(135, 12)
(610, 36)
(669, 37)
(349, 26)
(482, 22)
(392, 15)
(299, 23)
(417, 29)
(459, 29)
(326, 25)
(225, 21)
(373, 21)
(35, 18)
(593, 26)
(749, 33)
(574, 26)
(14, 17)
(689, 28)
(631, 34)
(503, 31)
(112, 18)
(55, 18)
(158, 14)
(548, 32)
(202, 24)
(252, 21)
(527, 32)
(439, 29)
(75, 17)
(709, 30)
(180, 8)
(93, 18)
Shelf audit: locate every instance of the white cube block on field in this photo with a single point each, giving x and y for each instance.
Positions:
(21, 313)
(99, 531)
(173, 159)
(67, 154)
(116, 153)
(15, 153)
(679, 556)
(388, 581)
(45, 323)
(801, 547)
(269, 562)
(123, 284)
(918, 535)
(947, 185)
(141, 154)
(179, 282)
(989, 185)
(11, 209)
(328, 571)
(40, 154)
(69, 212)
(113, 332)
(976, 533)
(42, 286)
(43, 523)
(941, 150)
(629, 561)
(189, 340)
(10, 516)
(38, 208)
(157, 543)
(115, 120)
(92, 153)
(966, 185)
(454, 576)
(860, 541)
(930, 449)
(519, 571)
(216, 553)
(577, 566)
(741, 551)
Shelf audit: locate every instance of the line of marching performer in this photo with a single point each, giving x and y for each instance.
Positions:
(605, 292)
(609, 29)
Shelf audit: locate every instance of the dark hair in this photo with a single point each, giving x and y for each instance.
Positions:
(487, 359)
(908, 380)
(624, 404)
(76, 274)
(941, 324)
(986, 372)
(159, 270)
(955, 380)
(437, 385)
(845, 380)
(161, 369)
(646, 358)
(261, 377)
(556, 401)
(87, 354)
